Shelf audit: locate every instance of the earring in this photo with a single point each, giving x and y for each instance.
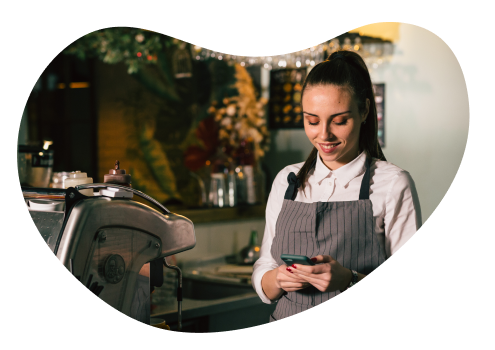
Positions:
(364, 122)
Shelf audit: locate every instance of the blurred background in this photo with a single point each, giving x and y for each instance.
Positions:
(206, 132)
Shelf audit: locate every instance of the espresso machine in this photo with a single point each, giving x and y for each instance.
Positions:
(107, 240)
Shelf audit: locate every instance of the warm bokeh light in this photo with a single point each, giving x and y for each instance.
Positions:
(76, 85)
(47, 144)
(384, 30)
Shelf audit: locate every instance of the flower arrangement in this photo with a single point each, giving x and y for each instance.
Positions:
(242, 118)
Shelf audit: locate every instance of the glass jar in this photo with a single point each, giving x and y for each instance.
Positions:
(222, 190)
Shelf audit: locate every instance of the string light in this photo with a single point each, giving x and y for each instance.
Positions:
(374, 53)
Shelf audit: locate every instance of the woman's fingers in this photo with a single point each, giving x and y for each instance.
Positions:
(290, 276)
(293, 286)
(288, 281)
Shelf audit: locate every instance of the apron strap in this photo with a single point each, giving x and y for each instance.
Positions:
(294, 184)
(364, 192)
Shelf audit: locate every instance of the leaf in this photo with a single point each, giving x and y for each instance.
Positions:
(158, 162)
(157, 81)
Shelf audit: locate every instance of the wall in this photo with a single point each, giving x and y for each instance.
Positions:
(426, 116)
(222, 238)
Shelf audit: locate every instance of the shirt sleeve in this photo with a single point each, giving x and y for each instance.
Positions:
(402, 212)
(266, 262)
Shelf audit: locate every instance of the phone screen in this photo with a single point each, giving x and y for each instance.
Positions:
(290, 259)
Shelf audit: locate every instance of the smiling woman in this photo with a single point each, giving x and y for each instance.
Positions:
(348, 209)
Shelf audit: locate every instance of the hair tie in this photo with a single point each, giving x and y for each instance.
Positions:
(339, 55)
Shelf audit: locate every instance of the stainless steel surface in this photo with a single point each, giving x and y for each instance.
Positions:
(130, 189)
(105, 242)
(133, 230)
(49, 224)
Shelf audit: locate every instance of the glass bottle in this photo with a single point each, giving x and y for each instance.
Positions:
(221, 184)
(251, 253)
(245, 179)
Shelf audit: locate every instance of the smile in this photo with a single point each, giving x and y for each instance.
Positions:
(328, 147)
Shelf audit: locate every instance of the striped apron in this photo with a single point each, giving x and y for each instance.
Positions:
(344, 230)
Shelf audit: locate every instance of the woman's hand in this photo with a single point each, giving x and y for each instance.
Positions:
(327, 276)
(287, 281)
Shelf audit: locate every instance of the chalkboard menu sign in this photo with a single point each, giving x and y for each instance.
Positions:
(285, 98)
(379, 90)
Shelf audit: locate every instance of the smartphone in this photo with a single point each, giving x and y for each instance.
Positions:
(290, 259)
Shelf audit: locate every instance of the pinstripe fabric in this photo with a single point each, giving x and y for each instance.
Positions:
(343, 230)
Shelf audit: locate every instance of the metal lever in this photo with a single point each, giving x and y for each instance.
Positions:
(179, 293)
(125, 188)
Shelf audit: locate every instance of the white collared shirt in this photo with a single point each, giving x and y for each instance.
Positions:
(396, 210)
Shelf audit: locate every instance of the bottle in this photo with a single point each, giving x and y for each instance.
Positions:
(79, 178)
(117, 176)
(220, 166)
(245, 181)
(251, 253)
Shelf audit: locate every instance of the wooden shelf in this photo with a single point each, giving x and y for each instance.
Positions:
(222, 214)
(204, 215)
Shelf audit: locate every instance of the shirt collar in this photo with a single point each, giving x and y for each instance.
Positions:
(344, 174)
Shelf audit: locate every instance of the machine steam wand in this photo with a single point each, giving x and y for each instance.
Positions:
(179, 293)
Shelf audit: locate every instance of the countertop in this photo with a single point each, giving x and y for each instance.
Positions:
(194, 308)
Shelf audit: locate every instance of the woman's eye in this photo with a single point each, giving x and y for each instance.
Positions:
(343, 122)
(317, 122)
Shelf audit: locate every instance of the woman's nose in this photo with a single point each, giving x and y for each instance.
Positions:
(325, 132)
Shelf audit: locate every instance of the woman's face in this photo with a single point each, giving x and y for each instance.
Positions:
(332, 123)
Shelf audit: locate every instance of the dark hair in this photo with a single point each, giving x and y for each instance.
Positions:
(347, 69)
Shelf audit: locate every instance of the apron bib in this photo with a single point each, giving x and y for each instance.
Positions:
(344, 230)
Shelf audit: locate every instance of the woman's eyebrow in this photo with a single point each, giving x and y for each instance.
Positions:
(333, 115)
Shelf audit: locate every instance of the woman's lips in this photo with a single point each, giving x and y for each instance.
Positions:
(328, 147)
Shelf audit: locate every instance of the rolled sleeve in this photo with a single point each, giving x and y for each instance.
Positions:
(403, 212)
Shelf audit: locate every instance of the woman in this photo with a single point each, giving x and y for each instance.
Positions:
(348, 209)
